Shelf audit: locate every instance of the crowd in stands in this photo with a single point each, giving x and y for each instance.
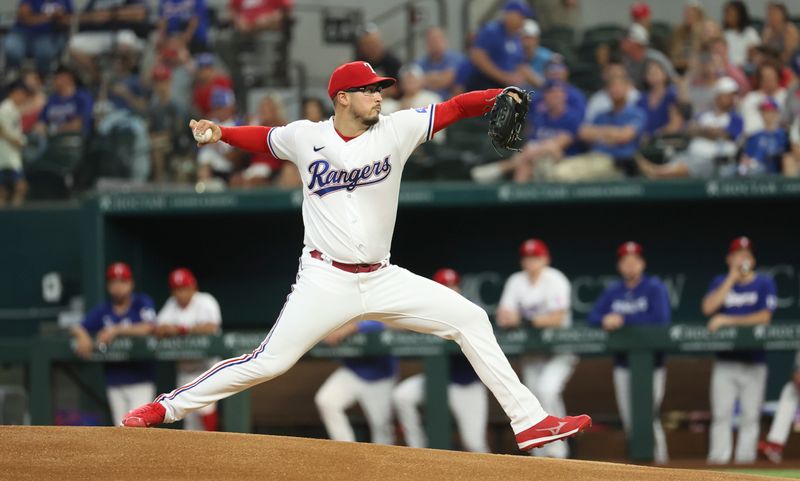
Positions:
(111, 99)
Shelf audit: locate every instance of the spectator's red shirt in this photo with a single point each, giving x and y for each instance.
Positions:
(201, 97)
(257, 8)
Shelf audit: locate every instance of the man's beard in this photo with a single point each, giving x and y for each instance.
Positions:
(369, 121)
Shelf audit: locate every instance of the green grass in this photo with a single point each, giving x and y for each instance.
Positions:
(777, 473)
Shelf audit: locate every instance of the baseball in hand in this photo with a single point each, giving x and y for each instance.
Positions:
(203, 137)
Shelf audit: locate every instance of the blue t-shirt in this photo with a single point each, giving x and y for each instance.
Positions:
(177, 13)
(658, 116)
(768, 149)
(646, 304)
(461, 371)
(539, 60)
(134, 85)
(745, 299)
(142, 309)
(39, 7)
(546, 127)
(504, 49)
(451, 60)
(113, 25)
(629, 116)
(59, 110)
(372, 368)
(576, 100)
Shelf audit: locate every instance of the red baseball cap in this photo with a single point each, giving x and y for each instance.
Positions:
(639, 10)
(740, 243)
(119, 271)
(181, 277)
(447, 277)
(355, 74)
(629, 247)
(534, 248)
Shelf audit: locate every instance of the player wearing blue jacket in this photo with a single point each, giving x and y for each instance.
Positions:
(635, 300)
(127, 313)
(367, 381)
(740, 298)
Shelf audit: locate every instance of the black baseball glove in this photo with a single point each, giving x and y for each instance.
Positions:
(507, 118)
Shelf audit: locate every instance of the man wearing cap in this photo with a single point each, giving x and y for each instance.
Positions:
(636, 52)
(217, 162)
(188, 311)
(536, 56)
(207, 78)
(466, 395)
(351, 166)
(742, 297)
(553, 135)
(556, 70)
(126, 313)
(496, 53)
(714, 135)
(635, 300)
(764, 151)
(13, 186)
(640, 14)
(540, 295)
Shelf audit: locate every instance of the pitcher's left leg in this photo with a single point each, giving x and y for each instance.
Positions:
(402, 299)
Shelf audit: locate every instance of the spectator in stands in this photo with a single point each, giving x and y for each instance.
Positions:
(166, 122)
(540, 296)
(314, 110)
(739, 34)
(414, 93)
(185, 21)
(106, 25)
(600, 101)
(174, 55)
(217, 162)
(13, 186)
(660, 102)
(613, 137)
(536, 56)
(720, 58)
(557, 71)
(127, 313)
(635, 300)
(68, 108)
(768, 86)
(697, 87)
(189, 311)
(791, 109)
(714, 134)
(742, 297)
(554, 136)
(31, 109)
(367, 381)
(207, 78)
(764, 151)
(496, 54)
(779, 31)
(40, 31)
(636, 53)
(440, 63)
(372, 49)
(791, 161)
(265, 168)
(640, 13)
(782, 423)
(689, 36)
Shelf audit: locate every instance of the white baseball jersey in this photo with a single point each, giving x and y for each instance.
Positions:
(352, 188)
(551, 292)
(202, 309)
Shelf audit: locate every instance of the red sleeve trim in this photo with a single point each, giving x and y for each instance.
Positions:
(469, 104)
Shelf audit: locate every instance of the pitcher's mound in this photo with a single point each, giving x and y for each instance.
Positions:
(67, 453)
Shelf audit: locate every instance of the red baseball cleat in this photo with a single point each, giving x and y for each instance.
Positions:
(771, 451)
(145, 416)
(552, 429)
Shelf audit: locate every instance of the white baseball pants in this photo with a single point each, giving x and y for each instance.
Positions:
(468, 403)
(622, 389)
(547, 376)
(124, 397)
(325, 298)
(342, 389)
(732, 380)
(194, 420)
(784, 416)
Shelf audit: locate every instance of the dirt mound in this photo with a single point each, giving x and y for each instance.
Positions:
(66, 453)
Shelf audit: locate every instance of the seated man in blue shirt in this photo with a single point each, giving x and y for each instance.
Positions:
(742, 297)
(127, 313)
(367, 381)
(40, 31)
(764, 150)
(557, 70)
(496, 54)
(635, 300)
(613, 137)
(440, 64)
(68, 109)
(553, 134)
